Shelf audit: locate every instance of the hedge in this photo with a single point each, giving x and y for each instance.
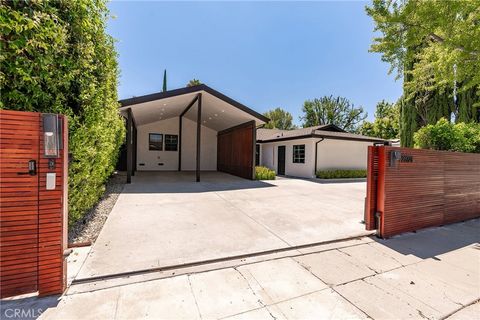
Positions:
(55, 56)
(340, 174)
(264, 173)
(444, 135)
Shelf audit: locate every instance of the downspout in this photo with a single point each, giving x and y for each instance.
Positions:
(316, 154)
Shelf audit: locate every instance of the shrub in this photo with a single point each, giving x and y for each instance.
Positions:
(444, 135)
(264, 173)
(340, 174)
(55, 56)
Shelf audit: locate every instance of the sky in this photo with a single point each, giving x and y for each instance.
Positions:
(262, 54)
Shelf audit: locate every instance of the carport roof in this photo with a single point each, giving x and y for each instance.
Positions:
(220, 112)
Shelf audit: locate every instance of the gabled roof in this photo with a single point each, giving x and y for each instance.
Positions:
(328, 131)
(188, 90)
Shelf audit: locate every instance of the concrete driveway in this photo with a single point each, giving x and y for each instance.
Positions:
(166, 219)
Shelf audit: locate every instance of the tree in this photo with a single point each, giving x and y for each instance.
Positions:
(437, 42)
(193, 82)
(434, 46)
(164, 80)
(332, 110)
(386, 124)
(279, 119)
(57, 57)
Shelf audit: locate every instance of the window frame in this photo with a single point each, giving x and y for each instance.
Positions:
(150, 141)
(297, 158)
(176, 142)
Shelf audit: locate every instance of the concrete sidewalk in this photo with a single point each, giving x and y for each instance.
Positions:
(430, 274)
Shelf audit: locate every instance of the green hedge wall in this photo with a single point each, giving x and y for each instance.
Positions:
(55, 56)
(341, 174)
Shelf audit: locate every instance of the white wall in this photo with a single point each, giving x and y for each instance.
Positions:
(342, 154)
(269, 157)
(150, 158)
(332, 154)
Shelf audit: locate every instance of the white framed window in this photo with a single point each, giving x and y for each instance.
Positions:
(299, 153)
(171, 142)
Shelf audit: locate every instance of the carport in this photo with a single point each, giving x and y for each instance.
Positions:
(190, 129)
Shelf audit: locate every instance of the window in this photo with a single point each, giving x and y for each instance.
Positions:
(257, 154)
(299, 153)
(171, 142)
(155, 141)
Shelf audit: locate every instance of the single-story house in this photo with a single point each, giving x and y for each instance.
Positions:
(302, 152)
(189, 129)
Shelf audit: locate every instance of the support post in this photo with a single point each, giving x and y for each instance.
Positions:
(129, 145)
(180, 143)
(199, 129)
(254, 142)
(134, 147)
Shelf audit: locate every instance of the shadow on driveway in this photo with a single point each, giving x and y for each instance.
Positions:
(432, 242)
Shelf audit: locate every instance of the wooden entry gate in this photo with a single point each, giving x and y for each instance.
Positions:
(33, 203)
(409, 189)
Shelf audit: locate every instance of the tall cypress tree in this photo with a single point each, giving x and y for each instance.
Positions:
(165, 80)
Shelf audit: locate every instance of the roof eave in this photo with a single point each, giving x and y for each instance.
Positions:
(321, 136)
(187, 90)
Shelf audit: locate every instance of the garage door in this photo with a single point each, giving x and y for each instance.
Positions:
(235, 150)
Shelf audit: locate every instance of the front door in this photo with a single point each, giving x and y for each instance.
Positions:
(281, 161)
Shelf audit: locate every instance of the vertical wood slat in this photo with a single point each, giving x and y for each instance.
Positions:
(437, 188)
(235, 150)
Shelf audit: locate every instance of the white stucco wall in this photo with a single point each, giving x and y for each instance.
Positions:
(342, 154)
(332, 154)
(151, 159)
(269, 157)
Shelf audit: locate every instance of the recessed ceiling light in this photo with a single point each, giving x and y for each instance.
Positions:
(164, 104)
(209, 118)
(161, 113)
(163, 109)
(204, 121)
(216, 115)
(223, 110)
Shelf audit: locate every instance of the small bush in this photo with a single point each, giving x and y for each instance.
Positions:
(444, 135)
(263, 173)
(340, 174)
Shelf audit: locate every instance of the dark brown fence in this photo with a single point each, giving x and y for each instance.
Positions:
(235, 150)
(32, 216)
(409, 189)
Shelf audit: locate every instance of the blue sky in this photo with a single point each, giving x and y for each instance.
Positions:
(263, 54)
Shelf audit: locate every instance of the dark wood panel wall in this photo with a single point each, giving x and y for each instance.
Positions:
(418, 188)
(236, 150)
(32, 219)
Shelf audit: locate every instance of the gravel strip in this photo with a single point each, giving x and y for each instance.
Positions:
(88, 228)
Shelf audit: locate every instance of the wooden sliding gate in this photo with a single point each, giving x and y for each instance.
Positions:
(409, 189)
(33, 200)
(236, 150)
